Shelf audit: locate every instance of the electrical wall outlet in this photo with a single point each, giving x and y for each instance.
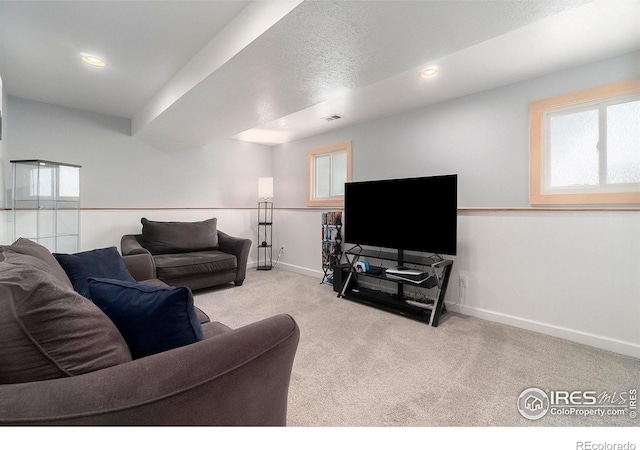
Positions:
(282, 249)
(463, 281)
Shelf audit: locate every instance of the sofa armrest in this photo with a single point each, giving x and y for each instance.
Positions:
(240, 247)
(138, 259)
(240, 377)
(130, 245)
(141, 266)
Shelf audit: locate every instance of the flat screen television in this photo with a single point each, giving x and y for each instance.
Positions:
(419, 214)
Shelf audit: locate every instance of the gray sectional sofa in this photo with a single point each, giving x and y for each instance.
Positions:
(193, 254)
(63, 361)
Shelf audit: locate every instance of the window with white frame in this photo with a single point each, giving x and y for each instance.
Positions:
(585, 146)
(329, 169)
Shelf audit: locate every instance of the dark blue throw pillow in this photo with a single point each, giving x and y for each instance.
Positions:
(99, 263)
(152, 319)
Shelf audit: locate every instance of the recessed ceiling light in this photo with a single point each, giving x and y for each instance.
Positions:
(283, 123)
(93, 61)
(430, 72)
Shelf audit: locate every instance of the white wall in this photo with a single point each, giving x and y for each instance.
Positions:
(119, 170)
(3, 109)
(5, 229)
(104, 228)
(484, 138)
(569, 274)
(124, 178)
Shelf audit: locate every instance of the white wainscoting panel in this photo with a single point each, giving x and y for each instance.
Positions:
(570, 274)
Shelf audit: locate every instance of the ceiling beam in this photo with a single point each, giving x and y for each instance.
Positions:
(252, 22)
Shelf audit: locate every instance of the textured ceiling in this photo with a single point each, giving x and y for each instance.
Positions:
(323, 49)
(192, 73)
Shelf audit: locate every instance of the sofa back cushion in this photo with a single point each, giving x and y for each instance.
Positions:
(151, 318)
(101, 262)
(47, 330)
(179, 237)
(41, 253)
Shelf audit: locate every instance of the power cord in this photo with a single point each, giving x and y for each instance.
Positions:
(278, 257)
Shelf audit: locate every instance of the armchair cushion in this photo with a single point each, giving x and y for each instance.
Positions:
(99, 263)
(47, 330)
(194, 263)
(179, 237)
(152, 319)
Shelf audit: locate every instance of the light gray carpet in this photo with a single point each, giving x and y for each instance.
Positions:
(359, 366)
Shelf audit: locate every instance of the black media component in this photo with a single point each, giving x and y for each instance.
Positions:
(418, 214)
(340, 273)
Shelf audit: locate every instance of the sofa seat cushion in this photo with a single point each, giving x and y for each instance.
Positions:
(181, 265)
(47, 330)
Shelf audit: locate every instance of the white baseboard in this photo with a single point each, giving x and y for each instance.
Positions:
(301, 270)
(593, 340)
(292, 268)
(602, 342)
(613, 345)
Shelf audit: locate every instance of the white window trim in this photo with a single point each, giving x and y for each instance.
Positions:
(537, 122)
(337, 201)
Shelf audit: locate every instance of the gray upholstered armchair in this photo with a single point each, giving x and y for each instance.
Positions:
(193, 254)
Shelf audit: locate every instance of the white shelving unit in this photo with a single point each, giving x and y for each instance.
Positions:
(46, 203)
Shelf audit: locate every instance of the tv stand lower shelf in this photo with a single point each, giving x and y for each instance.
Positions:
(422, 308)
(391, 303)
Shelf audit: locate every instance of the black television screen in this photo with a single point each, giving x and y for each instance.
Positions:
(418, 214)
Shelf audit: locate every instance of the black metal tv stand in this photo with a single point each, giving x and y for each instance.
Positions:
(426, 309)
